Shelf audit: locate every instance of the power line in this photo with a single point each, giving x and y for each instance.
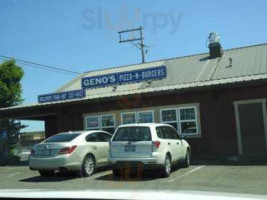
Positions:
(42, 66)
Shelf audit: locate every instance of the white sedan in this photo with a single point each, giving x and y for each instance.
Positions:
(79, 150)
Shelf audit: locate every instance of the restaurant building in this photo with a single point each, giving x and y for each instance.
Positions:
(216, 99)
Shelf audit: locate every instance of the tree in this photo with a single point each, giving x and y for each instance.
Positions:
(10, 87)
(10, 95)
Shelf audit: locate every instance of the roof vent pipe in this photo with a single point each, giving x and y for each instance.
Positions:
(215, 46)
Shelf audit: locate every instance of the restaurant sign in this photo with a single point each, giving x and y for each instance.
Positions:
(124, 77)
(61, 96)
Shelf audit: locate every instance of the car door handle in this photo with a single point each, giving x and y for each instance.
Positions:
(169, 143)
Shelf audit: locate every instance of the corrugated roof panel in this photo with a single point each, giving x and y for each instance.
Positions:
(248, 63)
(252, 60)
(208, 68)
(245, 62)
(257, 61)
(263, 64)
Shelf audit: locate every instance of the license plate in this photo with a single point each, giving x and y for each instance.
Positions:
(46, 153)
(130, 148)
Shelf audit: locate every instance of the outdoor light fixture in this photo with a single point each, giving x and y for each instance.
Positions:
(114, 88)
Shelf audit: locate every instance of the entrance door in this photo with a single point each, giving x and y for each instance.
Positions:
(251, 118)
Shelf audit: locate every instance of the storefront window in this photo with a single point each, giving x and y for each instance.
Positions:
(108, 123)
(188, 120)
(92, 122)
(128, 118)
(169, 116)
(145, 117)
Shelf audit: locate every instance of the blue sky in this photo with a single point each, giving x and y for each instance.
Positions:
(81, 35)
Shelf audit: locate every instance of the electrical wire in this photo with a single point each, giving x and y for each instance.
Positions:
(42, 66)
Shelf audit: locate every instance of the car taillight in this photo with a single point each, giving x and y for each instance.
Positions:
(156, 145)
(32, 153)
(67, 150)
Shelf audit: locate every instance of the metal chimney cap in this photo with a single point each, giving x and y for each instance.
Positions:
(214, 46)
(214, 38)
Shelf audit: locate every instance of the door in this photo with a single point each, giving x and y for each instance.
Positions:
(171, 142)
(178, 145)
(251, 127)
(105, 138)
(98, 146)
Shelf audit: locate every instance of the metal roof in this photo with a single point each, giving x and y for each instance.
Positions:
(248, 64)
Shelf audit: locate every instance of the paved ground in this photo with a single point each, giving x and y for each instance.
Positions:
(233, 179)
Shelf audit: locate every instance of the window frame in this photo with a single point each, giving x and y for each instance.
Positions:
(189, 120)
(93, 128)
(157, 116)
(123, 113)
(113, 115)
(168, 122)
(100, 127)
(145, 111)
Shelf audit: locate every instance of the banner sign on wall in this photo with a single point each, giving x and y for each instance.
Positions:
(60, 96)
(124, 77)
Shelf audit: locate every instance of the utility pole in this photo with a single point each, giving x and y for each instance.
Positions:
(140, 45)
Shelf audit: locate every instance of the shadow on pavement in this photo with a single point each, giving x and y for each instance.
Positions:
(140, 175)
(57, 177)
(60, 176)
(13, 161)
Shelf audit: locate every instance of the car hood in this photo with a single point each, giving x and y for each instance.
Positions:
(130, 194)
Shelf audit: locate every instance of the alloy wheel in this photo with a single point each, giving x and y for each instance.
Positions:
(167, 166)
(89, 165)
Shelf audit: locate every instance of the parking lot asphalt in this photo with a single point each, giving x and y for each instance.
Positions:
(219, 178)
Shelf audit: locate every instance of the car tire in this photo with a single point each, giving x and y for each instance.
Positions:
(88, 166)
(116, 172)
(166, 169)
(46, 173)
(186, 161)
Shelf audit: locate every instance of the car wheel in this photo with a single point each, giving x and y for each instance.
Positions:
(46, 172)
(88, 166)
(166, 170)
(186, 162)
(116, 172)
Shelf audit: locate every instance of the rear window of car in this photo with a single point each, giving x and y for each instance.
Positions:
(62, 137)
(132, 134)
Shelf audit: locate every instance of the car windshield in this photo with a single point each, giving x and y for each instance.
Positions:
(133, 95)
(133, 134)
(63, 137)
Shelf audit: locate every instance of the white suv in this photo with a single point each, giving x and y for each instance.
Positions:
(149, 145)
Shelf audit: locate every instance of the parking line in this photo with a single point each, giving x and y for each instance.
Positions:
(187, 173)
(97, 175)
(14, 174)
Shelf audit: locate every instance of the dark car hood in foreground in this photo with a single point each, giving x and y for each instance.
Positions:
(129, 194)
